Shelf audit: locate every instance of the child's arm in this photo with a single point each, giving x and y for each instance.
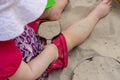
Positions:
(37, 66)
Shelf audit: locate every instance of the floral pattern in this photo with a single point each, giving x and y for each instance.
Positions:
(34, 42)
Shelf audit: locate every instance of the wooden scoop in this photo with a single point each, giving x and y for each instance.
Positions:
(48, 30)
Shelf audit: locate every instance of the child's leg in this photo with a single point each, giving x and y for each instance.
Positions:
(78, 32)
(54, 13)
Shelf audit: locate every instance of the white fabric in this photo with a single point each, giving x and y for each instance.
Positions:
(15, 14)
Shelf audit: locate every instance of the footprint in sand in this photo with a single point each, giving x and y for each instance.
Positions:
(99, 68)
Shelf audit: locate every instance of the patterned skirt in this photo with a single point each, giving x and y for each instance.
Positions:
(28, 40)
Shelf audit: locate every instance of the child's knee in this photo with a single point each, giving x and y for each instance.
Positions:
(48, 14)
(55, 16)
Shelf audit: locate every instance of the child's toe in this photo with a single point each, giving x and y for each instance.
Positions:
(106, 1)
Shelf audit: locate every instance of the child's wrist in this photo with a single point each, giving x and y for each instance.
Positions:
(54, 50)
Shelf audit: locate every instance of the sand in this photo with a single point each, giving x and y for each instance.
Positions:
(101, 48)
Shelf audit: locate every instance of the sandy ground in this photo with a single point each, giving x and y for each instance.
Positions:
(98, 57)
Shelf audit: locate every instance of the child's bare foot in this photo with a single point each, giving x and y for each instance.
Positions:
(54, 13)
(102, 9)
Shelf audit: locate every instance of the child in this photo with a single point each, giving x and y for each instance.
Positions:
(22, 54)
(53, 12)
(54, 9)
